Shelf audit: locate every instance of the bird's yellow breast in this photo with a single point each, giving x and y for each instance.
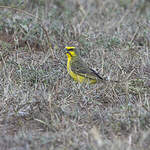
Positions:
(77, 77)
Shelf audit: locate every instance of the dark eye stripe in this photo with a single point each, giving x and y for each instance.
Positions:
(70, 49)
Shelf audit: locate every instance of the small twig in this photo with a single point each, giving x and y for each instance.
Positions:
(130, 74)
(135, 34)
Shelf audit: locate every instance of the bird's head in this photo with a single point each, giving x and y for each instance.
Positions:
(70, 51)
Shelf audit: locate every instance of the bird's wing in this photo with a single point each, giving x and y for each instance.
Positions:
(80, 68)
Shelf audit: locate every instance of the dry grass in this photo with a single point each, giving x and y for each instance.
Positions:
(43, 108)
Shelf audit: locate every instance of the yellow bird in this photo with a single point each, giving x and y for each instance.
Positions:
(78, 69)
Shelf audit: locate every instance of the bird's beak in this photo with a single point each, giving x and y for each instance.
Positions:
(66, 50)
